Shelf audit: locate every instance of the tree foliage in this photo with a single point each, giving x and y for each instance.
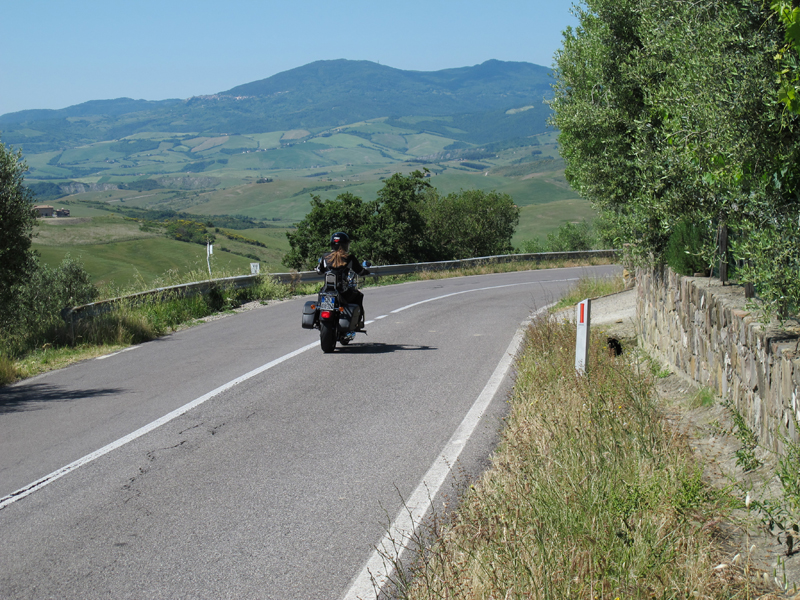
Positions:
(407, 222)
(31, 294)
(186, 230)
(668, 113)
(17, 218)
(311, 239)
(35, 315)
(470, 223)
(397, 231)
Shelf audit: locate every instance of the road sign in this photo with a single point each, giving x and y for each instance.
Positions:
(255, 268)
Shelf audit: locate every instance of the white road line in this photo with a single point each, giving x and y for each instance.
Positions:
(493, 287)
(376, 572)
(47, 479)
(115, 353)
(40, 483)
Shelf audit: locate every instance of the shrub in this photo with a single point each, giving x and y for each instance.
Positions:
(570, 237)
(35, 318)
(684, 248)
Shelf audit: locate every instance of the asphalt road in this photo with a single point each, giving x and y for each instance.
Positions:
(277, 487)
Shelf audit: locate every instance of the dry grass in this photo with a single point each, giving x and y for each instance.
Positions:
(8, 370)
(590, 495)
(591, 287)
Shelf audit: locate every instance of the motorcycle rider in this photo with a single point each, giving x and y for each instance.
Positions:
(340, 261)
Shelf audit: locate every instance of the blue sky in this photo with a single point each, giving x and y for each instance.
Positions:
(56, 53)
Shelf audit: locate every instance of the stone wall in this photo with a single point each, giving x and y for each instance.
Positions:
(703, 330)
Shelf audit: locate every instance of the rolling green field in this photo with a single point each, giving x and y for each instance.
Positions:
(117, 253)
(270, 177)
(536, 221)
(124, 264)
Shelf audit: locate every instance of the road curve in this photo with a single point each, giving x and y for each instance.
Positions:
(277, 486)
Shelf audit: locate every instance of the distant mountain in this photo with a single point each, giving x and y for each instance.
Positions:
(110, 108)
(364, 90)
(319, 95)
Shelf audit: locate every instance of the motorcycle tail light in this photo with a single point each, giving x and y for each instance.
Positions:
(325, 314)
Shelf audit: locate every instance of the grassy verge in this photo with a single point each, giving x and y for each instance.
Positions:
(590, 495)
(133, 324)
(590, 287)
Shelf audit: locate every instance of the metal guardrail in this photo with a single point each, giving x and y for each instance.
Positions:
(189, 290)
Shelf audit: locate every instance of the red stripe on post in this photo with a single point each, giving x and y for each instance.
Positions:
(583, 309)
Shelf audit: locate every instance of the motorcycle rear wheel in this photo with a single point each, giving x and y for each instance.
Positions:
(327, 338)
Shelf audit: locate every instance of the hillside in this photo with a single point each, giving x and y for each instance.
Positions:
(319, 95)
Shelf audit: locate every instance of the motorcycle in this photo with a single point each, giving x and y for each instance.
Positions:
(336, 319)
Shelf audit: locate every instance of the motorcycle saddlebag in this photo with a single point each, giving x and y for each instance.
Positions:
(308, 314)
(349, 320)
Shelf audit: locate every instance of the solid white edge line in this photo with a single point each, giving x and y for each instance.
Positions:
(368, 584)
(40, 483)
(118, 352)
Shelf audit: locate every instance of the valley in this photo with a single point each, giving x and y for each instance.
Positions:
(483, 128)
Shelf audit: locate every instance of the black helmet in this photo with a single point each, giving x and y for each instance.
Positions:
(340, 239)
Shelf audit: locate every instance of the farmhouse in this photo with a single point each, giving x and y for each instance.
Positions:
(62, 212)
(44, 210)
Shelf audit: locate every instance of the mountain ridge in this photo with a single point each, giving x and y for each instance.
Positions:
(318, 95)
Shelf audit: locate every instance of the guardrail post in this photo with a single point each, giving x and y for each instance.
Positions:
(583, 319)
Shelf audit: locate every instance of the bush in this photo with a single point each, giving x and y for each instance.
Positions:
(570, 237)
(185, 230)
(684, 248)
(35, 317)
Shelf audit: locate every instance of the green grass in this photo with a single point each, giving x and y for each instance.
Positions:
(267, 140)
(94, 153)
(120, 264)
(79, 231)
(536, 221)
(425, 143)
(704, 398)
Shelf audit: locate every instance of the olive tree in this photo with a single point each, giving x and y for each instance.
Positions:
(17, 219)
(668, 113)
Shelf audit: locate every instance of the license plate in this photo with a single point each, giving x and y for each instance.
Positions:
(326, 302)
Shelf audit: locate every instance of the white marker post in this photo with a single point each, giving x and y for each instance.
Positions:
(584, 310)
(209, 252)
(255, 268)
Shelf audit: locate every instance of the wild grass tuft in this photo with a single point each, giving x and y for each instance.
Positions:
(589, 495)
(8, 371)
